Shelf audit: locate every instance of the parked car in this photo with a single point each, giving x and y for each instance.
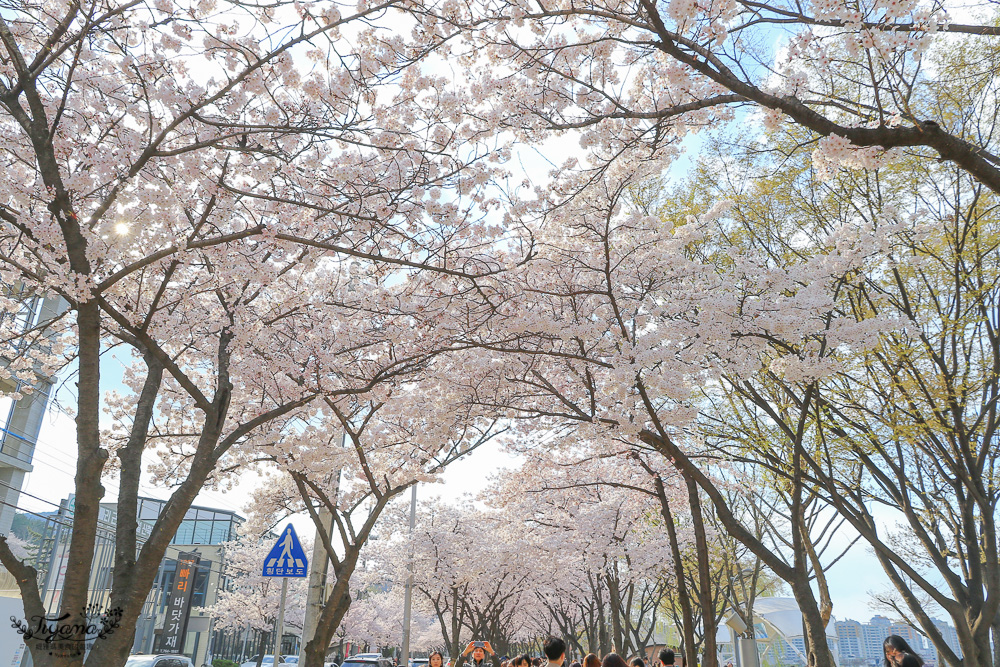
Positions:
(291, 659)
(330, 664)
(418, 662)
(367, 661)
(153, 660)
(268, 661)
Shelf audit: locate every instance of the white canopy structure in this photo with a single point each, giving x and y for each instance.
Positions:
(779, 633)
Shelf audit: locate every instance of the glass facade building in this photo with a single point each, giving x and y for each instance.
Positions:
(201, 525)
(202, 531)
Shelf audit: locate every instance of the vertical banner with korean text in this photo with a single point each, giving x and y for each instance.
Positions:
(179, 604)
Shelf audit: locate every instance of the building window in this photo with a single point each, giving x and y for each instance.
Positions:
(200, 585)
(149, 511)
(202, 532)
(221, 532)
(185, 533)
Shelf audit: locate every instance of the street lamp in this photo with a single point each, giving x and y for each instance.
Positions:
(744, 648)
(737, 626)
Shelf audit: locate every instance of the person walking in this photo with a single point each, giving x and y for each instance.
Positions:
(555, 651)
(591, 660)
(613, 660)
(666, 657)
(899, 654)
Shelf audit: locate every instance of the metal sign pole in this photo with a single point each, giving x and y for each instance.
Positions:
(285, 559)
(279, 628)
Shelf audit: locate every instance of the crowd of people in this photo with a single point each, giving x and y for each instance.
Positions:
(554, 652)
(897, 654)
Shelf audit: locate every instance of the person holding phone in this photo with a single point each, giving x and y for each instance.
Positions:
(478, 651)
(899, 654)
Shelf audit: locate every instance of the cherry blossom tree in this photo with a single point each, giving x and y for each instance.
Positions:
(598, 546)
(641, 75)
(622, 545)
(204, 183)
(376, 614)
(393, 438)
(439, 560)
(545, 555)
(378, 587)
(865, 87)
(874, 446)
(623, 324)
(471, 573)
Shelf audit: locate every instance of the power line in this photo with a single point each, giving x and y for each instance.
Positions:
(213, 566)
(25, 493)
(144, 488)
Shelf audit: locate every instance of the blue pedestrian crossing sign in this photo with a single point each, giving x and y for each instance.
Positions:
(286, 558)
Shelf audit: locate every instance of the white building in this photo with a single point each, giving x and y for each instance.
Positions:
(20, 420)
(779, 633)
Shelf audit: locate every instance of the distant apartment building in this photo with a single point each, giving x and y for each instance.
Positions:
(862, 642)
(950, 638)
(851, 639)
(875, 631)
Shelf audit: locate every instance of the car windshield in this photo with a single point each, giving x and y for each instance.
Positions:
(140, 661)
(360, 663)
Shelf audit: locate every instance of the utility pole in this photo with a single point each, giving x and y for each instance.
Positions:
(316, 593)
(409, 583)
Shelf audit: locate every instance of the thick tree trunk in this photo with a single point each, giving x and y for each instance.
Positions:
(819, 653)
(708, 610)
(336, 606)
(614, 599)
(683, 596)
(90, 465)
(262, 645)
(806, 600)
(114, 649)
